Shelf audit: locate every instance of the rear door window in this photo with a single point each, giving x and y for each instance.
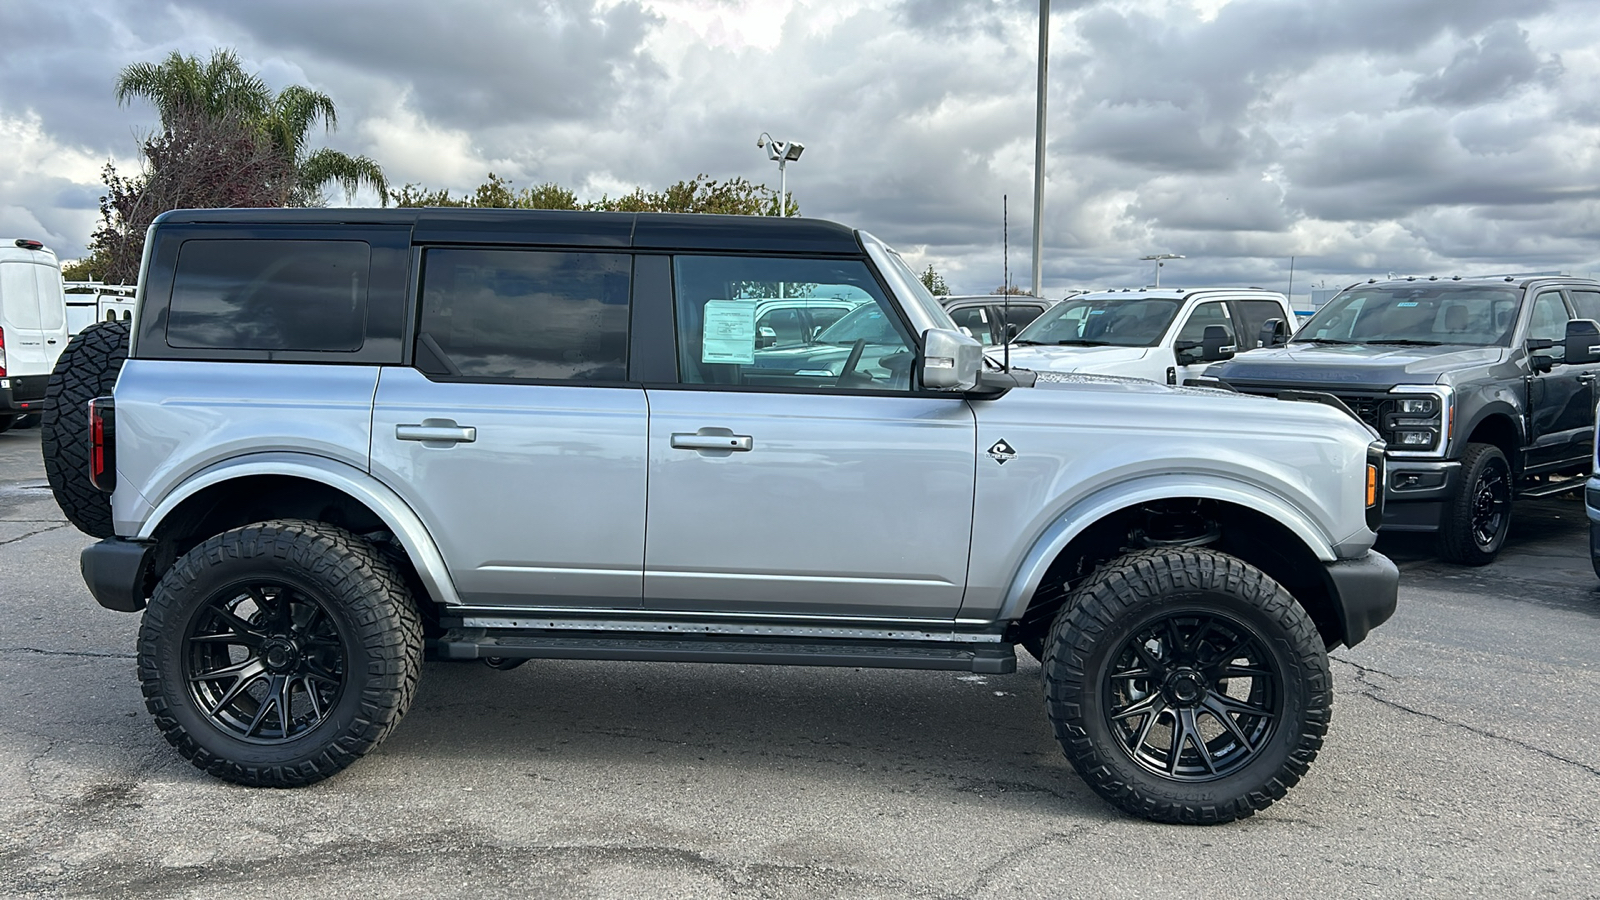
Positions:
(18, 297)
(514, 315)
(1588, 304)
(1255, 313)
(270, 295)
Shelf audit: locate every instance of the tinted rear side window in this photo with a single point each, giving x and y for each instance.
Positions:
(526, 314)
(270, 295)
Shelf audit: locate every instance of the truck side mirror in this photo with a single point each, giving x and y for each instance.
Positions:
(1215, 346)
(1274, 333)
(1583, 341)
(1536, 361)
(950, 360)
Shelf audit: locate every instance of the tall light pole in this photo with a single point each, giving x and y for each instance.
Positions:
(1160, 260)
(782, 153)
(1038, 149)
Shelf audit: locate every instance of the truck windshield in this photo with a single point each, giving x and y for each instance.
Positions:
(1416, 315)
(1107, 321)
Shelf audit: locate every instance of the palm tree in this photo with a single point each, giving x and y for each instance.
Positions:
(220, 89)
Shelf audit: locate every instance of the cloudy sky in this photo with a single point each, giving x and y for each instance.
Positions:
(1360, 137)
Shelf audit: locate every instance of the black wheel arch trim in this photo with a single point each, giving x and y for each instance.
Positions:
(1365, 591)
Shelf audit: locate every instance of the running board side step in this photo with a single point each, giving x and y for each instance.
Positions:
(1552, 488)
(986, 658)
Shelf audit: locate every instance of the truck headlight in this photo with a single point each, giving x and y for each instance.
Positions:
(1417, 406)
(1418, 419)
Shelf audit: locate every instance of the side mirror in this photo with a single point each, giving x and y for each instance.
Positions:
(1214, 346)
(1274, 333)
(1583, 341)
(1536, 361)
(765, 337)
(1011, 332)
(950, 360)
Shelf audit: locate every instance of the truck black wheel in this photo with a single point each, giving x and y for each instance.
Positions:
(1477, 520)
(6, 423)
(278, 653)
(1187, 686)
(87, 369)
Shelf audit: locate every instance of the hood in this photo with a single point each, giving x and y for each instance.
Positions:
(1070, 359)
(1353, 365)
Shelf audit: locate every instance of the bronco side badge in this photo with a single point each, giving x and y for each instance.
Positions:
(1002, 452)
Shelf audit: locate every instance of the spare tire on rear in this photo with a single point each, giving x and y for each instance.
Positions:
(87, 369)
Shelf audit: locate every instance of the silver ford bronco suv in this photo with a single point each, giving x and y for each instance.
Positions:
(336, 441)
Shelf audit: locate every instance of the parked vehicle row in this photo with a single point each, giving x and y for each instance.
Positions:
(513, 434)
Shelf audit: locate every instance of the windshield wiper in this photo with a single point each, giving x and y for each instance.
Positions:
(1319, 341)
(1408, 342)
(1028, 343)
(1080, 342)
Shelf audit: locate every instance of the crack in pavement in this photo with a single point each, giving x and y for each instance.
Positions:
(1472, 729)
(1010, 858)
(1364, 669)
(88, 653)
(32, 533)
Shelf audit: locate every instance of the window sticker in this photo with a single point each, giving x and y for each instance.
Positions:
(730, 332)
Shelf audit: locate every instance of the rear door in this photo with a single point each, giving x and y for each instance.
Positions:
(516, 433)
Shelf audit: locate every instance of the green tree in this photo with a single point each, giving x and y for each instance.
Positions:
(701, 194)
(185, 88)
(934, 282)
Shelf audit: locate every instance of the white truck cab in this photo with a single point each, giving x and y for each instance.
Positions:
(33, 325)
(1160, 334)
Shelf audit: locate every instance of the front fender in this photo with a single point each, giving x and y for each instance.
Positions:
(366, 490)
(1090, 509)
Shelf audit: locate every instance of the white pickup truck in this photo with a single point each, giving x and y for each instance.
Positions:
(1162, 334)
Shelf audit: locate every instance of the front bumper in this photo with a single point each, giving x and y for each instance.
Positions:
(116, 572)
(1365, 592)
(1415, 492)
(22, 394)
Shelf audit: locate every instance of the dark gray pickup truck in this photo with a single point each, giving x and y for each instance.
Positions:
(1482, 387)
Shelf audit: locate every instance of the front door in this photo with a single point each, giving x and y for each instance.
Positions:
(810, 481)
(1560, 401)
(1212, 312)
(516, 435)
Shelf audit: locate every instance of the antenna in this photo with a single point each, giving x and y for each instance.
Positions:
(1005, 287)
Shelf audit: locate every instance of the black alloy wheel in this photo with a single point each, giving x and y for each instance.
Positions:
(1193, 696)
(1477, 519)
(278, 653)
(1186, 685)
(264, 661)
(1491, 503)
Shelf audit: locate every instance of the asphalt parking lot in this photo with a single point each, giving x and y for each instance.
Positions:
(1462, 762)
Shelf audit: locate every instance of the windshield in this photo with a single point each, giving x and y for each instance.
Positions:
(1410, 314)
(864, 323)
(1106, 321)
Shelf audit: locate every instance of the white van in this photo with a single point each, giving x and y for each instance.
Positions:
(33, 326)
(89, 302)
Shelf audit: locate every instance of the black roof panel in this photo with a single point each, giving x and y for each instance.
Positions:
(664, 231)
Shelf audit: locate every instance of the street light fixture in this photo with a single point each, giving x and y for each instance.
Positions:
(782, 153)
(1160, 260)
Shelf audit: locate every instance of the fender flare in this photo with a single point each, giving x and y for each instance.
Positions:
(1490, 409)
(1086, 511)
(362, 487)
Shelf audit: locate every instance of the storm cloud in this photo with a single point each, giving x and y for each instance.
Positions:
(1358, 136)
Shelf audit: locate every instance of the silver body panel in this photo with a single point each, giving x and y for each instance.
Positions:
(544, 506)
(176, 419)
(844, 504)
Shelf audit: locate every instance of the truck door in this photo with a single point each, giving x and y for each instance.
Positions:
(1560, 401)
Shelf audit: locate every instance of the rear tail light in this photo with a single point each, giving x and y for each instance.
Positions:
(103, 444)
(2, 352)
(29, 245)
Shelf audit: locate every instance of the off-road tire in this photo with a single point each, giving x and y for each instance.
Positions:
(372, 624)
(1483, 468)
(1140, 594)
(87, 369)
